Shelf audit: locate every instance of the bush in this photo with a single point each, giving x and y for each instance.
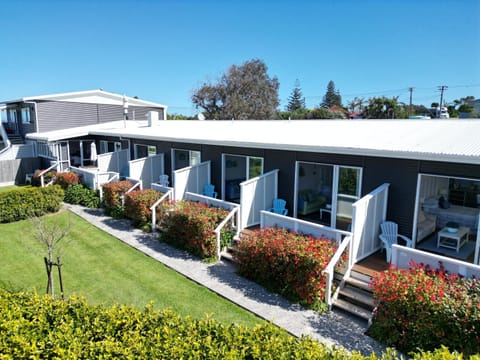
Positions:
(112, 193)
(425, 308)
(34, 326)
(81, 195)
(22, 203)
(66, 179)
(191, 226)
(288, 263)
(38, 325)
(138, 203)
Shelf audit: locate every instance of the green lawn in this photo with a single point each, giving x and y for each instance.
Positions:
(106, 271)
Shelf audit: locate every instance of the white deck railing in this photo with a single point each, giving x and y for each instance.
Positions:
(233, 216)
(401, 257)
(42, 174)
(329, 271)
(234, 213)
(270, 219)
(167, 195)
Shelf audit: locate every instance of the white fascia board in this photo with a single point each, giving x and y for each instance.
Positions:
(91, 96)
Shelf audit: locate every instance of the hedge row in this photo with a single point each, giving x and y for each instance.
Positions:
(288, 263)
(37, 327)
(138, 203)
(190, 226)
(22, 203)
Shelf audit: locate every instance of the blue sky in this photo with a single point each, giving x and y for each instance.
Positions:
(162, 50)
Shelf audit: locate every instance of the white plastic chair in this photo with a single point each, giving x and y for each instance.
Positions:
(390, 235)
(163, 180)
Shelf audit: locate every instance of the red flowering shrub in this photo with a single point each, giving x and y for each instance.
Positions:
(190, 226)
(422, 308)
(288, 263)
(138, 203)
(113, 191)
(65, 179)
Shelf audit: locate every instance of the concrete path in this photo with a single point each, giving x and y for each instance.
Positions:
(334, 328)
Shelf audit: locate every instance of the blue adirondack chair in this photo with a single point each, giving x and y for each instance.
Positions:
(209, 190)
(279, 207)
(163, 180)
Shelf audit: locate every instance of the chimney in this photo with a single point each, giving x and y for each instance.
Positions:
(152, 117)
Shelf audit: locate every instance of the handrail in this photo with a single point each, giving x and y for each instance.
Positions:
(153, 208)
(330, 268)
(219, 228)
(42, 181)
(138, 184)
(5, 139)
(97, 185)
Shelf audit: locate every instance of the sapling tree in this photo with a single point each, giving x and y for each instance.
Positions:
(53, 237)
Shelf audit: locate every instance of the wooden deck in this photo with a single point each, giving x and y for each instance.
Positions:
(373, 264)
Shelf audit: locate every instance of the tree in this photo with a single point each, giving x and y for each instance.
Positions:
(384, 108)
(244, 92)
(332, 96)
(296, 101)
(50, 235)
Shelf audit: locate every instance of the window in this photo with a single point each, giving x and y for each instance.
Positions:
(26, 115)
(184, 158)
(109, 146)
(141, 151)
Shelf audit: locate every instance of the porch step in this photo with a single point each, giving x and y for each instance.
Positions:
(16, 139)
(355, 296)
(353, 309)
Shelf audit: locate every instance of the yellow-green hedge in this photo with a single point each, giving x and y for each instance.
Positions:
(36, 327)
(22, 203)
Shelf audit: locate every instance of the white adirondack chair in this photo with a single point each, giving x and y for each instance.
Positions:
(390, 235)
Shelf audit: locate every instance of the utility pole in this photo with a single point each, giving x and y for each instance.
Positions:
(410, 107)
(442, 88)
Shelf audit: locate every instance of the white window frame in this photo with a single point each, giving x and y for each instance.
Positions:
(194, 157)
(247, 168)
(335, 193)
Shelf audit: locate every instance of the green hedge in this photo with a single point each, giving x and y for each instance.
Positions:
(37, 327)
(22, 203)
(81, 195)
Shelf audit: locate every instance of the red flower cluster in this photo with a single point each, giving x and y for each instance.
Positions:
(138, 203)
(426, 308)
(66, 179)
(288, 263)
(112, 192)
(191, 226)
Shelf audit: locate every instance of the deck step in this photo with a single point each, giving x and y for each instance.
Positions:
(358, 283)
(353, 309)
(357, 297)
(367, 278)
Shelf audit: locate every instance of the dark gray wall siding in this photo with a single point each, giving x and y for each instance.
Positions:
(401, 174)
(54, 115)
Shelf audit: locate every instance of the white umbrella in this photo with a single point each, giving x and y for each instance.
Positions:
(93, 153)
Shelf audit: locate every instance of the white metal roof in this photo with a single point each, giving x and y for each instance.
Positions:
(97, 96)
(452, 140)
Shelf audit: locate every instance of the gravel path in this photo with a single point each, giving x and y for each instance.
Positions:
(334, 328)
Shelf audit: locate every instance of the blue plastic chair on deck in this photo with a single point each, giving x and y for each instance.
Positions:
(390, 235)
(209, 190)
(279, 207)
